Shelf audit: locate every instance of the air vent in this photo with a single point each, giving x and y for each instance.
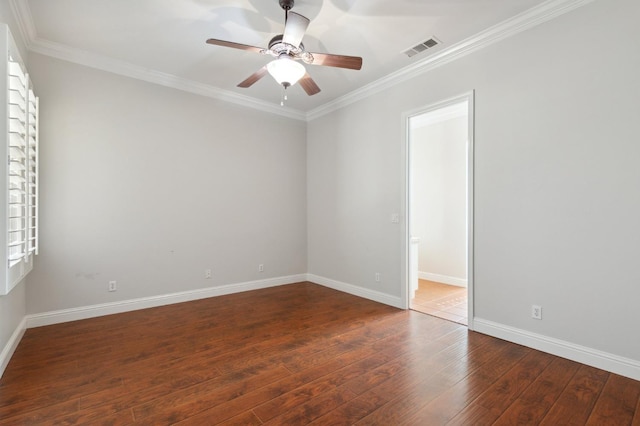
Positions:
(432, 42)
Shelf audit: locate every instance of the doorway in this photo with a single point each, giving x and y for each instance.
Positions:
(439, 194)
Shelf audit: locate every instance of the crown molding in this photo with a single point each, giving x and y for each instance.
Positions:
(22, 13)
(526, 20)
(512, 26)
(104, 63)
(24, 20)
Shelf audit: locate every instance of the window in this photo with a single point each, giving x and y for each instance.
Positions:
(21, 171)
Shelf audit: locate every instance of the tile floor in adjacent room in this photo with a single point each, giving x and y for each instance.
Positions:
(441, 300)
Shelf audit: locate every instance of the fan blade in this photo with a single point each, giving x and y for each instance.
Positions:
(254, 77)
(224, 43)
(338, 61)
(309, 85)
(294, 29)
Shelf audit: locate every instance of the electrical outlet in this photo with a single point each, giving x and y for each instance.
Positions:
(207, 274)
(261, 267)
(113, 286)
(536, 312)
(378, 277)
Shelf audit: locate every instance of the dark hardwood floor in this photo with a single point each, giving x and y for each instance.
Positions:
(297, 354)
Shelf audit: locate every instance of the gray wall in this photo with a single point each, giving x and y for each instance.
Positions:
(556, 178)
(150, 186)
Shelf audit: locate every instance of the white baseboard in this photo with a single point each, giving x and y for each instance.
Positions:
(92, 311)
(595, 358)
(74, 314)
(12, 344)
(376, 296)
(582, 354)
(444, 279)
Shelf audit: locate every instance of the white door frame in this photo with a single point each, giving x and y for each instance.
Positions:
(405, 169)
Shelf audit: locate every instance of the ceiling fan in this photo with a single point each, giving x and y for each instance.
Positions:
(288, 50)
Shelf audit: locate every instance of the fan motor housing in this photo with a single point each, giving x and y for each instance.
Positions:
(278, 40)
(278, 48)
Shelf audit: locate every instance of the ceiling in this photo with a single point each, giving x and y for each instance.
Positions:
(165, 39)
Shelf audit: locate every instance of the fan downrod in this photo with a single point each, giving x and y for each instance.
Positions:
(286, 4)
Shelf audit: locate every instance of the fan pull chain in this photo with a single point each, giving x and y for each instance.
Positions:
(284, 95)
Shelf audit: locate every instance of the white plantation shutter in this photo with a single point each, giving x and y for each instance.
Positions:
(20, 177)
(17, 226)
(32, 174)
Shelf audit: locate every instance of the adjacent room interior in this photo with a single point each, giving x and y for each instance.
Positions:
(439, 148)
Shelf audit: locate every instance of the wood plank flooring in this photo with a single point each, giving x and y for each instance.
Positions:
(295, 355)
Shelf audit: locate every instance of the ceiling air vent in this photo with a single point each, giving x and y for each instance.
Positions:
(432, 42)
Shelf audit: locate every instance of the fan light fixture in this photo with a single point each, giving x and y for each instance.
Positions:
(288, 48)
(286, 71)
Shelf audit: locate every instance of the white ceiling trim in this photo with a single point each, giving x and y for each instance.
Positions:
(27, 27)
(35, 44)
(104, 63)
(529, 19)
